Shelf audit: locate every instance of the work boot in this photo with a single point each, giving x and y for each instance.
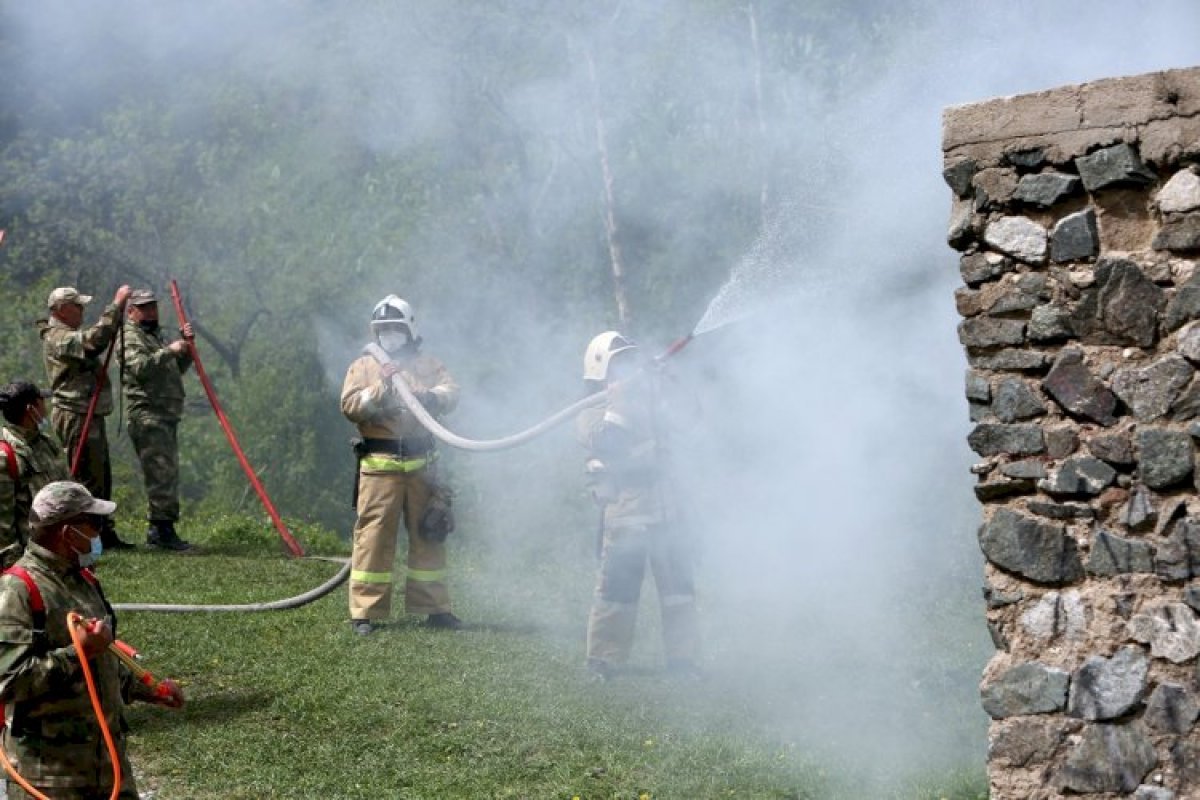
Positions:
(362, 627)
(110, 539)
(162, 535)
(444, 621)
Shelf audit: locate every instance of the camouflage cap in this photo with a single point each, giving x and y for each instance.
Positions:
(67, 294)
(142, 297)
(62, 500)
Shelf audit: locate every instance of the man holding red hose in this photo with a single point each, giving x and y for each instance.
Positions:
(74, 360)
(53, 737)
(152, 379)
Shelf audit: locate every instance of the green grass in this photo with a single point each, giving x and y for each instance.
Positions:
(293, 705)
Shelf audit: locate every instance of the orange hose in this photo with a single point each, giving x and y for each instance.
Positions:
(75, 621)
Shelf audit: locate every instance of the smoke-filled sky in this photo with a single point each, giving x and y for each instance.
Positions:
(840, 577)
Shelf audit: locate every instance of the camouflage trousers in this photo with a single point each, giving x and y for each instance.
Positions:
(158, 451)
(625, 552)
(28, 764)
(128, 792)
(95, 468)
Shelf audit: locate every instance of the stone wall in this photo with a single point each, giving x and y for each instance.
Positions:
(1077, 215)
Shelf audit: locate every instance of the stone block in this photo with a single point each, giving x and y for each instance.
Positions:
(1181, 193)
(1108, 688)
(1046, 188)
(1040, 551)
(1019, 237)
(1029, 688)
(1150, 391)
(1171, 630)
(1165, 456)
(1113, 166)
(1180, 233)
(1108, 758)
(1121, 308)
(1075, 237)
(1113, 555)
(992, 439)
(1079, 392)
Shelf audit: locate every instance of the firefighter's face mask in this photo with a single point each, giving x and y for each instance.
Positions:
(624, 364)
(393, 338)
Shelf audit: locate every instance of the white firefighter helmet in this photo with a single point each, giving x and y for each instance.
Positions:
(600, 352)
(391, 310)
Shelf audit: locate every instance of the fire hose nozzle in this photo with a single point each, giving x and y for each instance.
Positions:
(126, 649)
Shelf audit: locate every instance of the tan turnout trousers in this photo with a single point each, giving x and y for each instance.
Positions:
(625, 552)
(384, 501)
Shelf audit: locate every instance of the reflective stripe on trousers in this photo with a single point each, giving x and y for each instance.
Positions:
(384, 501)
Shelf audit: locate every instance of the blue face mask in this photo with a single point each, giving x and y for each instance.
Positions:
(93, 555)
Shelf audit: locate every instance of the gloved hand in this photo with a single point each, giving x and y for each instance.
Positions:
(95, 636)
(427, 399)
(168, 694)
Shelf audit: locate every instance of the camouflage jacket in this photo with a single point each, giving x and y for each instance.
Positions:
(371, 403)
(74, 359)
(152, 375)
(52, 732)
(40, 460)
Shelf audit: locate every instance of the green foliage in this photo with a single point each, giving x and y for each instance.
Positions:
(285, 199)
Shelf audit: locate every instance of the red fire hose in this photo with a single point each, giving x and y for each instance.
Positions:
(287, 537)
(91, 409)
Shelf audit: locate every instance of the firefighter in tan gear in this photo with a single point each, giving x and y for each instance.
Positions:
(625, 470)
(397, 473)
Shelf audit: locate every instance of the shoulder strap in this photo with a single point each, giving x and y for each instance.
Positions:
(36, 604)
(10, 458)
(88, 575)
(38, 607)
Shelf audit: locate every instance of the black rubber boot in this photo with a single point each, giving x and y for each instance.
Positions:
(162, 535)
(444, 621)
(110, 539)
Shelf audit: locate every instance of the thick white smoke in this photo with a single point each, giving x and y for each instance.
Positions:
(831, 500)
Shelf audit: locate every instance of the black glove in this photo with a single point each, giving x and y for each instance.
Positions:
(438, 520)
(427, 399)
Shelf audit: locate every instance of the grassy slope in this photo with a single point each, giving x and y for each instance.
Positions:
(292, 705)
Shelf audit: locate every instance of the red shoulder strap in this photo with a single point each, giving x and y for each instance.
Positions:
(37, 606)
(10, 458)
(35, 594)
(89, 576)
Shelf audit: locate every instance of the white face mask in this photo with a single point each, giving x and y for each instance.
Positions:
(393, 341)
(43, 423)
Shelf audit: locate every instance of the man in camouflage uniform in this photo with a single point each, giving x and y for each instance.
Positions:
(640, 523)
(74, 360)
(397, 480)
(30, 457)
(53, 737)
(152, 375)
